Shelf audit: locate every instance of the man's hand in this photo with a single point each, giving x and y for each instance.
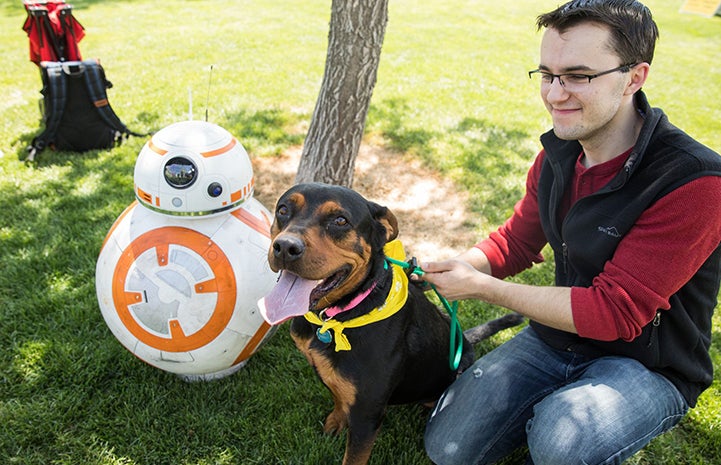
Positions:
(457, 280)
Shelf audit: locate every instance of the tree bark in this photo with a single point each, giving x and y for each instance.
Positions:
(357, 29)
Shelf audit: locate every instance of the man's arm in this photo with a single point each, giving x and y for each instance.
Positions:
(477, 259)
(682, 228)
(467, 277)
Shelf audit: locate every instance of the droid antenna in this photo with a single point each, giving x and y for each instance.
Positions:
(207, 98)
(190, 104)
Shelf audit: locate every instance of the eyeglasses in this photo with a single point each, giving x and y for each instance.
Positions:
(573, 82)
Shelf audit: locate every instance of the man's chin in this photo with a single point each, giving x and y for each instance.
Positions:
(565, 133)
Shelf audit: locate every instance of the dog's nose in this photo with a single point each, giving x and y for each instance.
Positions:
(288, 248)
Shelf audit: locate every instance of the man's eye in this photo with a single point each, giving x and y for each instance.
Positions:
(546, 77)
(576, 78)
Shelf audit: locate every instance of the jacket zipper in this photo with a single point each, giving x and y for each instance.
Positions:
(654, 329)
(564, 245)
(555, 198)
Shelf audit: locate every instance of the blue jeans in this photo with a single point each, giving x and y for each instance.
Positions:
(566, 408)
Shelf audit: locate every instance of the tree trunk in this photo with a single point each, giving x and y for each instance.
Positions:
(357, 28)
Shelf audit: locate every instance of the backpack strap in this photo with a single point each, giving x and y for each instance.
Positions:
(55, 98)
(55, 93)
(96, 83)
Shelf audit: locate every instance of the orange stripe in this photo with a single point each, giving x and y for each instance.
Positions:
(224, 282)
(144, 195)
(161, 253)
(246, 217)
(176, 331)
(117, 222)
(133, 298)
(206, 286)
(253, 343)
(101, 103)
(221, 150)
(155, 148)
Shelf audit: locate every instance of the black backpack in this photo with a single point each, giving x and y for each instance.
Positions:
(76, 112)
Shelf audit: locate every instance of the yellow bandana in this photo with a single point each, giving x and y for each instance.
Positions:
(396, 299)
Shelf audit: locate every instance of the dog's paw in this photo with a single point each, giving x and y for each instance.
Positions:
(336, 422)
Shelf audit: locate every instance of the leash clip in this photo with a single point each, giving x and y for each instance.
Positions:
(456, 339)
(412, 267)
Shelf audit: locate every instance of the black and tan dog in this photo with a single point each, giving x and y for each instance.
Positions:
(372, 338)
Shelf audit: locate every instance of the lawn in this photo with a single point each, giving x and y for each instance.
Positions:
(452, 92)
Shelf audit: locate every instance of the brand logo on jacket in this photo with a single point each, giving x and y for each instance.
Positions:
(610, 230)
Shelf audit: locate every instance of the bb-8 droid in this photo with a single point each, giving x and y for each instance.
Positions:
(182, 268)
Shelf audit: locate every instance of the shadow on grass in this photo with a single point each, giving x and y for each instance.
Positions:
(263, 132)
(266, 132)
(70, 393)
(488, 161)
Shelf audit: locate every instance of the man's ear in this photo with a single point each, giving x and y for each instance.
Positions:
(386, 218)
(639, 74)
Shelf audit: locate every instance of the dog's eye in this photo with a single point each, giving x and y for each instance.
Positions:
(282, 210)
(340, 221)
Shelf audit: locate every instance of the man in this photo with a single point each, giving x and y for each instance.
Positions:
(617, 351)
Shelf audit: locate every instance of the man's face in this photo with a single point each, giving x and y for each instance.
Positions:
(587, 115)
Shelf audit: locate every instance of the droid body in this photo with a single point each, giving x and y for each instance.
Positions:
(182, 268)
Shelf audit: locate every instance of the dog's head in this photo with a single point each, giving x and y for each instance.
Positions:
(329, 234)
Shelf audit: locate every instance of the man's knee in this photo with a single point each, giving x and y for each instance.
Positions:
(441, 437)
(560, 433)
(442, 451)
(592, 423)
(546, 447)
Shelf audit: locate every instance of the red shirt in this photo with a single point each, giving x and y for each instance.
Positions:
(663, 250)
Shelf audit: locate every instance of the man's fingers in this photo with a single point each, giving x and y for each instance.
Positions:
(435, 267)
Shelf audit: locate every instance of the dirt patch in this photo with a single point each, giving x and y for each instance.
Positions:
(430, 210)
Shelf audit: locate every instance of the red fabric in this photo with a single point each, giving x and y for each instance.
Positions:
(41, 33)
(652, 262)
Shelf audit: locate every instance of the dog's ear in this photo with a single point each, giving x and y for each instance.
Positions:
(386, 218)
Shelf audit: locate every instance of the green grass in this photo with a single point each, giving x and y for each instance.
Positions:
(451, 91)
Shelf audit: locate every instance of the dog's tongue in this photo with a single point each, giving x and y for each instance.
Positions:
(290, 297)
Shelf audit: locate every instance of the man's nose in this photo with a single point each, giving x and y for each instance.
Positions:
(555, 90)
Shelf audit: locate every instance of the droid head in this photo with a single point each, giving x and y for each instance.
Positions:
(193, 168)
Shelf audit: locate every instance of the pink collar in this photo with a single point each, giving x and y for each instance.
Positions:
(330, 312)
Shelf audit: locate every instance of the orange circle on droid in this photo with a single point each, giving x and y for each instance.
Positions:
(221, 282)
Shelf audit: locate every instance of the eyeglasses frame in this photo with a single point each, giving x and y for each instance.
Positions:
(622, 68)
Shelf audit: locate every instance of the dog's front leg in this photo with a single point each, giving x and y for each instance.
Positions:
(337, 420)
(362, 431)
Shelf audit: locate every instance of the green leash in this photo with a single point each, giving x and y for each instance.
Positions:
(456, 344)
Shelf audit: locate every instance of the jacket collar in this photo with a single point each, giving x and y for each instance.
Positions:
(557, 149)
